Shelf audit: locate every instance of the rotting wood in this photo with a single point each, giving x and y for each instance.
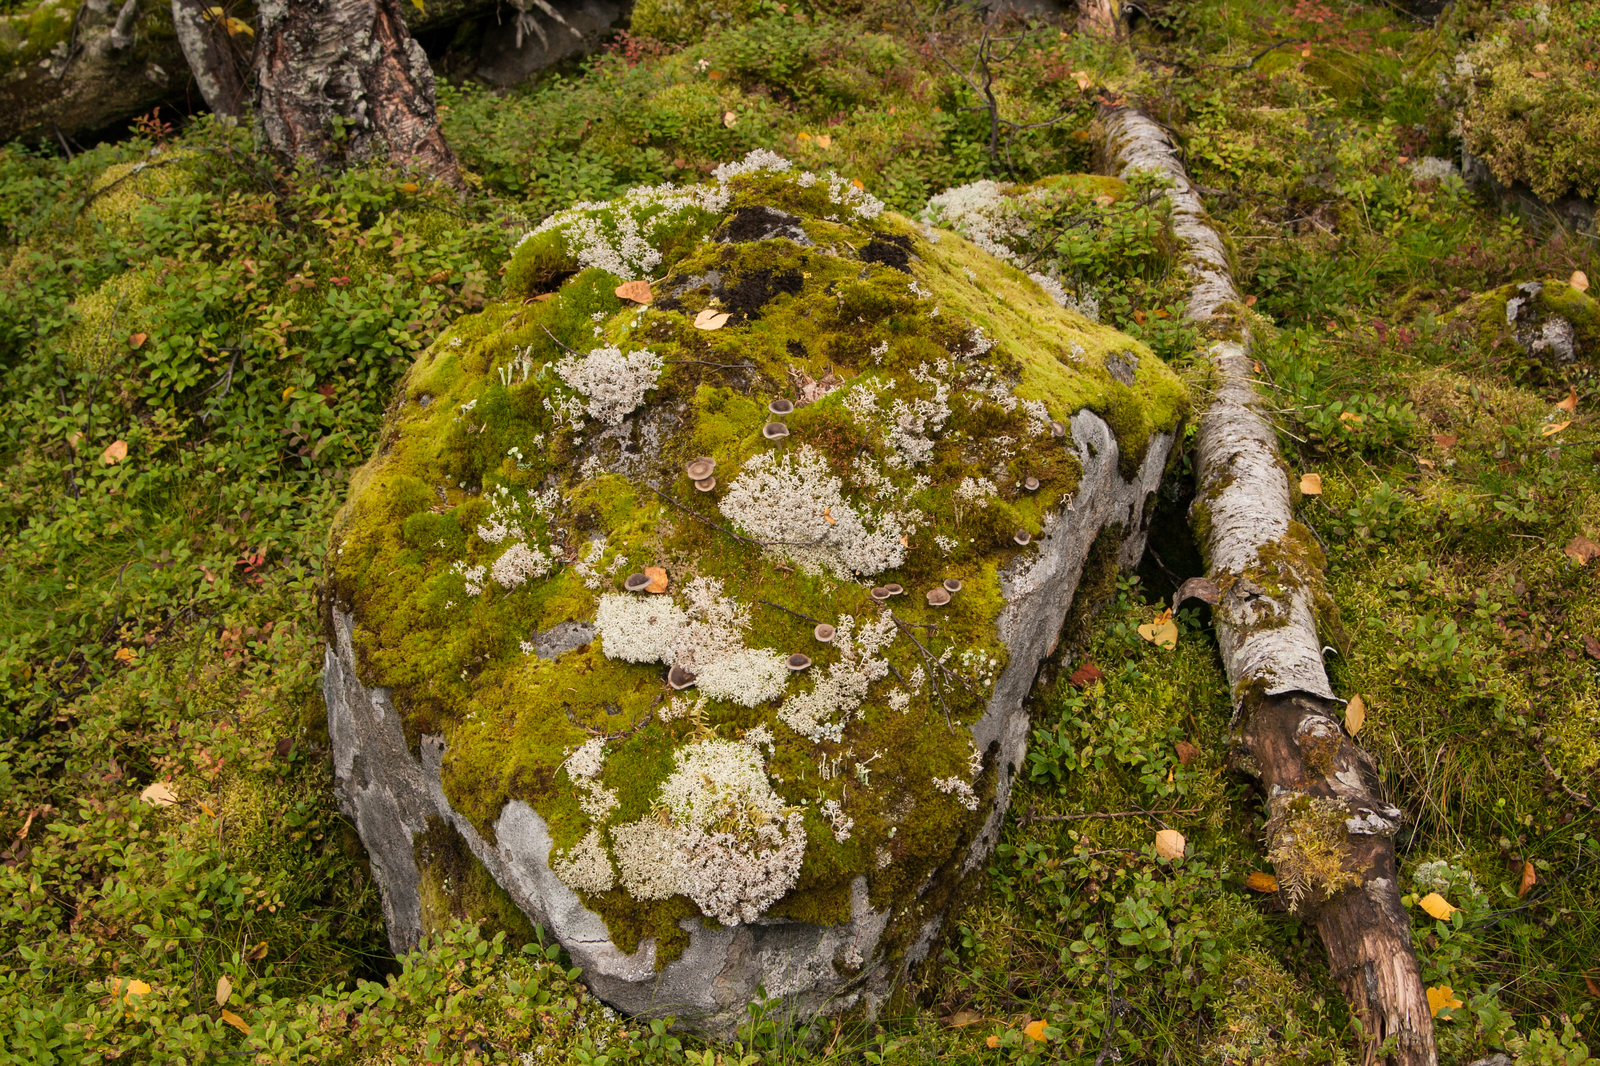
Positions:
(1330, 831)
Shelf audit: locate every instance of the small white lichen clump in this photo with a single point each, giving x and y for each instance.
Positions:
(613, 383)
(586, 867)
(796, 507)
(637, 629)
(727, 841)
(822, 713)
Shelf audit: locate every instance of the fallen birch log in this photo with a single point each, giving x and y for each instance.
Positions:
(1330, 831)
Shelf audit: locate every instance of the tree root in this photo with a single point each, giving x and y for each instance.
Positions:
(1330, 830)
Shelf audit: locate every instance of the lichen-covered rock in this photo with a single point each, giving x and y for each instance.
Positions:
(1548, 322)
(748, 728)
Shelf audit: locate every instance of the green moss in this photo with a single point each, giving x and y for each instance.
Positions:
(478, 429)
(454, 885)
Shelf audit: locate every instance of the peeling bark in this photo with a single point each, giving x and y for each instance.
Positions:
(218, 68)
(344, 80)
(1330, 832)
(1100, 18)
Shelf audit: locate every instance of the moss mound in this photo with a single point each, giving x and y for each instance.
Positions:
(1548, 322)
(537, 458)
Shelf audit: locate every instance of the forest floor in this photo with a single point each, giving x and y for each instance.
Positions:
(199, 350)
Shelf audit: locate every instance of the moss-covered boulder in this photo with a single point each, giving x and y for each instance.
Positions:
(1548, 322)
(706, 623)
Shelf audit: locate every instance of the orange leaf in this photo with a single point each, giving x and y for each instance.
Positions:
(137, 340)
(824, 141)
(409, 186)
(1083, 78)
(1442, 998)
(711, 319)
(658, 579)
(827, 516)
(1570, 404)
(115, 452)
(236, 1021)
(1355, 715)
(1529, 878)
(994, 1041)
(125, 656)
(637, 291)
(802, 136)
(1138, 316)
(1555, 427)
(1169, 844)
(1249, 301)
(1034, 1030)
(1445, 440)
(1579, 281)
(1581, 549)
(1311, 484)
(856, 183)
(1437, 906)
(1261, 882)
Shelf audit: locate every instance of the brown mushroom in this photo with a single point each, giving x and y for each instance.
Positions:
(1057, 429)
(798, 662)
(893, 589)
(952, 584)
(1023, 537)
(1031, 484)
(700, 468)
(707, 485)
(636, 582)
(679, 678)
(774, 431)
(880, 593)
(824, 632)
(938, 597)
(781, 407)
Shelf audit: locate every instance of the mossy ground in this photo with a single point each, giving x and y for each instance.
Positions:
(1466, 621)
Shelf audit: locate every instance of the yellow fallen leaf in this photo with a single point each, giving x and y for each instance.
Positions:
(802, 136)
(236, 1021)
(711, 319)
(125, 656)
(115, 452)
(1350, 418)
(1355, 715)
(1311, 484)
(1163, 632)
(132, 986)
(159, 794)
(257, 953)
(224, 990)
(1169, 844)
(1555, 427)
(993, 1041)
(855, 183)
(1437, 906)
(288, 392)
(1259, 881)
(236, 26)
(1579, 281)
(1034, 1030)
(1442, 998)
(637, 291)
(729, 119)
(1570, 404)
(1083, 78)
(208, 810)
(824, 140)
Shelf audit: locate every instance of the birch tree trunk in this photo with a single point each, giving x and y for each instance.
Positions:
(1330, 831)
(1100, 18)
(343, 80)
(219, 71)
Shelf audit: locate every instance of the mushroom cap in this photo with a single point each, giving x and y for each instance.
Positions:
(679, 678)
(1057, 429)
(1031, 484)
(893, 589)
(707, 485)
(952, 584)
(880, 593)
(700, 467)
(938, 597)
(824, 632)
(1023, 536)
(636, 582)
(781, 407)
(798, 662)
(774, 431)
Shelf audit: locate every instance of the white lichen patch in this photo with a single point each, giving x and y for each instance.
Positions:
(586, 867)
(613, 384)
(822, 713)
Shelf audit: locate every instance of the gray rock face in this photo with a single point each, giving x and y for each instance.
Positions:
(390, 792)
(536, 34)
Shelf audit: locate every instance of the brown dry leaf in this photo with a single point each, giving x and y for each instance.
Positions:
(1187, 752)
(1311, 484)
(1169, 844)
(637, 291)
(1445, 440)
(1540, 74)
(1579, 281)
(1083, 78)
(824, 140)
(1591, 646)
(1163, 632)
(1437, 906)
(1570, 404)
(224, 990)
(236, 1021)
(963, 1018)
(1425, 462)
(711, 318)
(1086, 675)
(1555, 427)
(1529, 879)
(658, 579)
(137, 340)
(1250, 301)
(1355, 715)
(1581, 549)
(115, 452)
(1591, 986)
(1441, 998)
(1261, 882)
(729, 119)
(159, 794)
(257, 953)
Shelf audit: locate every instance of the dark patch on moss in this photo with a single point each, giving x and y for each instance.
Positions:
(755, 289)
(760, 223)
(888, 250)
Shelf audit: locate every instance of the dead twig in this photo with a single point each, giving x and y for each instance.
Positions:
(1030, 817)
